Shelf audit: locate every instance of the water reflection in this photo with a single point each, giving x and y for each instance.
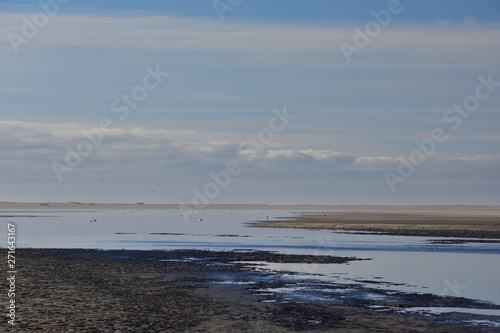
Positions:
(410, 264)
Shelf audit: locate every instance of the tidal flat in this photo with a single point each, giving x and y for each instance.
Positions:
(77, 290)
(155, 269)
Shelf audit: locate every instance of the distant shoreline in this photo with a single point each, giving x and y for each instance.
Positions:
(74, 206)
(459, 221)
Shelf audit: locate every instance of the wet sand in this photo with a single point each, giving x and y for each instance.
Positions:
(180, 291)
(76, 290)
(448, 221)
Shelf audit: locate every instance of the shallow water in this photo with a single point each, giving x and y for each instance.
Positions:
(409, 264)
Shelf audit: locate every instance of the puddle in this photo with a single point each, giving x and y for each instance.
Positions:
(440, 310)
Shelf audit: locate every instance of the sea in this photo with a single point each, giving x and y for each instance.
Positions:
(396, 263)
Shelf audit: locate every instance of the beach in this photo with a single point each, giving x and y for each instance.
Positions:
(76, 290)
(444, 221)
(227, 287)
(250, 166)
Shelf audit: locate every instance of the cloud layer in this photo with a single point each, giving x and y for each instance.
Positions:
(354, 120)
(147, 154)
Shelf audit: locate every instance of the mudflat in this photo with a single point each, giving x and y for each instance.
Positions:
(76, 290)
(439, 221)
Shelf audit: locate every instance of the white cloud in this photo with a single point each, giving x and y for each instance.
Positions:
(140, 30)
(308, 155)
(119, 144)
(50, 140)
(436, 43)
(467, 159)
(378, 163)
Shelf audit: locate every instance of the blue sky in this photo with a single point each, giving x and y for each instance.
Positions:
(318, 11)
(353, 121)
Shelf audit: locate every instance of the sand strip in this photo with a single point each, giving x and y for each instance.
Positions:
(473, 223)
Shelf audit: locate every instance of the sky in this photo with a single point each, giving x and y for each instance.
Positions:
(252, 101)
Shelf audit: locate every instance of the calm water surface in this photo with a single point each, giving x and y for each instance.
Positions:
(409, 264)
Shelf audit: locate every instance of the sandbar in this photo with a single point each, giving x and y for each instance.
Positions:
(435, 221)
